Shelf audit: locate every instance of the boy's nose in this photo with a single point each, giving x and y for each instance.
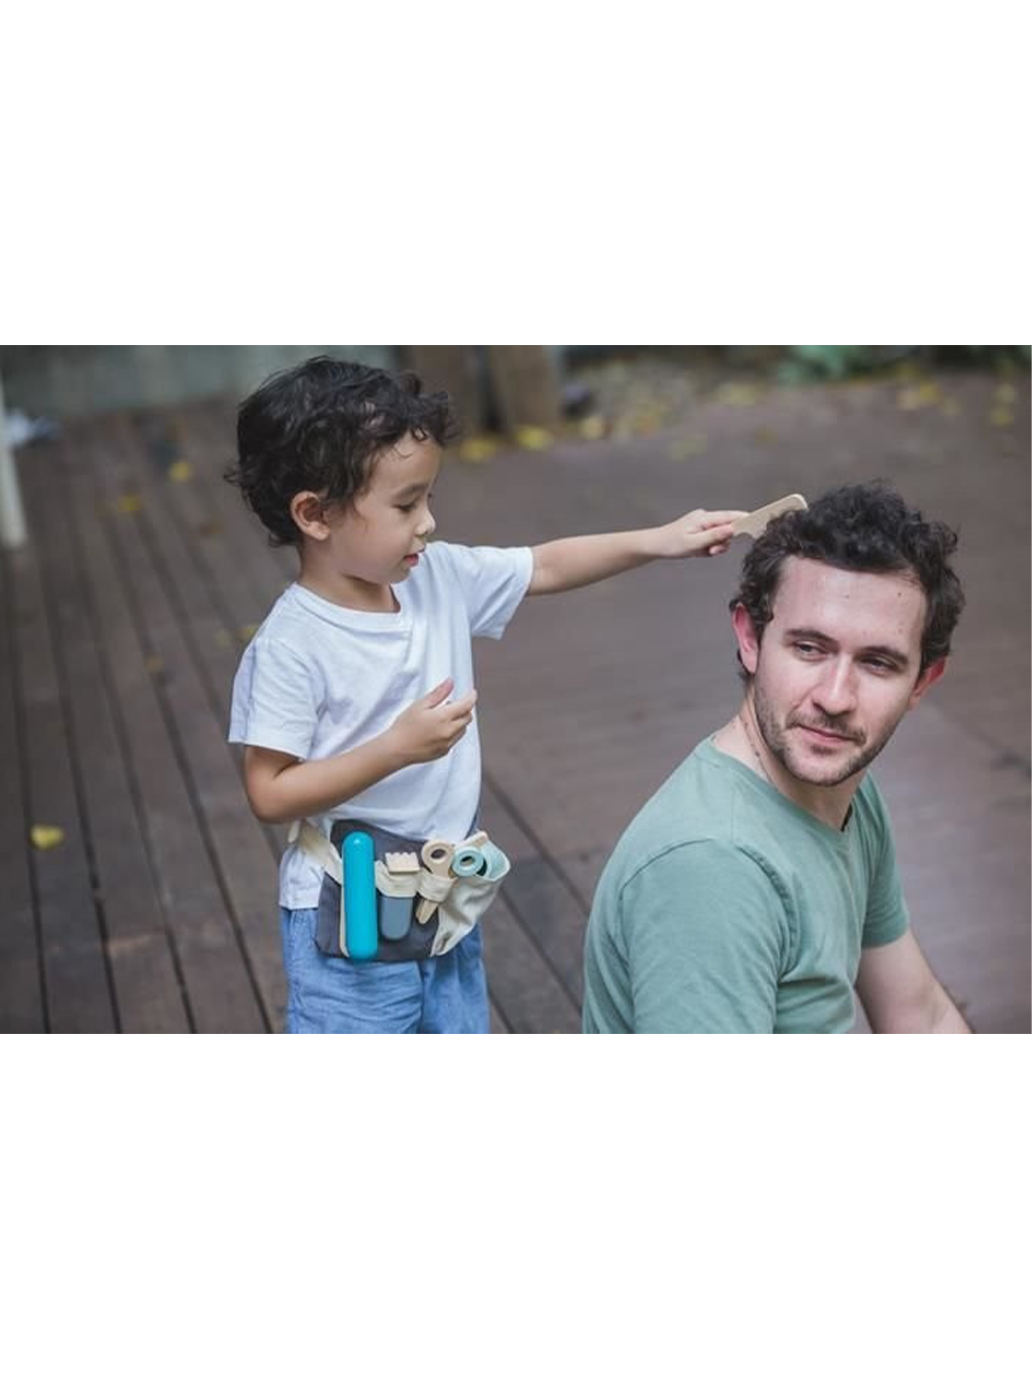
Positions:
(427, 526)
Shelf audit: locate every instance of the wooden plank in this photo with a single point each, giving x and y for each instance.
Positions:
(22, 1006)
(498, 1024)
(219, 992)
(223, 580)
(239, 851)
(543, 898)
(77, 980)
(553, 915)
(146, 982)
(161, 564)
(522, 984)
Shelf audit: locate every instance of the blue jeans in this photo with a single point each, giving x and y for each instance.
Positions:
(334, 995)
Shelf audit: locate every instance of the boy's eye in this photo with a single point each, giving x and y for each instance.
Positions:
(411, 506)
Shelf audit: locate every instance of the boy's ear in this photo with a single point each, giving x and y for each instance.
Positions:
(745, 634)
(308, 515)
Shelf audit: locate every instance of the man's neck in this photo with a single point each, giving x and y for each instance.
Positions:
(742, 740)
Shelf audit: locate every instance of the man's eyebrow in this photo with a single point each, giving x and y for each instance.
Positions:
(892, 653)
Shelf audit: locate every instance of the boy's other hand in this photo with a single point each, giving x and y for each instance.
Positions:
(430, 727)
(697, 533)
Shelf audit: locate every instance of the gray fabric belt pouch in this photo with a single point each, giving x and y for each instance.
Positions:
(418, 938)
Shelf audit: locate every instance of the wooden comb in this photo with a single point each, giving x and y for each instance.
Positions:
(753, 523)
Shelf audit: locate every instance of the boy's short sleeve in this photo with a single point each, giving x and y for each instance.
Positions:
(493, 580)
(275, 700)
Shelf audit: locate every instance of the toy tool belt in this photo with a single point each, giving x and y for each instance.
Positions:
(428, 894)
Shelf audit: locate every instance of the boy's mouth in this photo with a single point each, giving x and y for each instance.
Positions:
(412, 560)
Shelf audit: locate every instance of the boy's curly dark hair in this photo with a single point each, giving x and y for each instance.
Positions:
(320, 426)
(865, 527)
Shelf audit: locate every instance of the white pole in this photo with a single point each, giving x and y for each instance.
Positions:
(12, 514)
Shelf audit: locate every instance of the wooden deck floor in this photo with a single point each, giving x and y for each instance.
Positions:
(122, 623)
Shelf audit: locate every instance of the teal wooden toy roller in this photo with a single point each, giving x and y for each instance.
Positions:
(359, 861)
(482, 860)
(468, 861)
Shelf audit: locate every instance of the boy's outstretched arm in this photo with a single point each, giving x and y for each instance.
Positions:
(580, 560)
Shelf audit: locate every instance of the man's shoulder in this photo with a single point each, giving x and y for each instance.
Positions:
(695, 807)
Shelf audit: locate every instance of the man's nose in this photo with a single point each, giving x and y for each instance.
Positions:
(835, 693)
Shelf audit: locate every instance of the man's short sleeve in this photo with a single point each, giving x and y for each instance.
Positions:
(493, 581)
(275, 700)
(704, 931)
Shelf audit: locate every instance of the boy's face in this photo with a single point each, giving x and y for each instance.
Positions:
(380, 538)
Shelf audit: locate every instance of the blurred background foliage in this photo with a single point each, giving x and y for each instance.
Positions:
(812, 363)
(527, 393)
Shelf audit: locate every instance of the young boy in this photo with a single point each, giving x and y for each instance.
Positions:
(355, 698)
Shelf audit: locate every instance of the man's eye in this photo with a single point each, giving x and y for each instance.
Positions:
(883, 666)
(807, 648)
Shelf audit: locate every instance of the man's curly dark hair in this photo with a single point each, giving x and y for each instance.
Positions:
(865, 527)
(319, 426)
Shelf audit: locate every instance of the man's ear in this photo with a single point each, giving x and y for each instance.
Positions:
(748, 641)
(308, 514)
(925, 681)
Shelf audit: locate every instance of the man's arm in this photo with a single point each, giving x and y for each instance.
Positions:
(580, 560)
(900, 993)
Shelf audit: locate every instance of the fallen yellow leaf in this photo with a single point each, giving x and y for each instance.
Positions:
(129, 502)
(532, 438)
(44, 836)
(1001, 416)
(738, 394)
(920, 396)
(181, 471)
(153, 665)
(477, 448)
(593, 427)
(246, 632)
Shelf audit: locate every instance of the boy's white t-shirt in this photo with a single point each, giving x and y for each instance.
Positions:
(318, 679)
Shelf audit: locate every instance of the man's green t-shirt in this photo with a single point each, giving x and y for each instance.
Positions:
(726, 908)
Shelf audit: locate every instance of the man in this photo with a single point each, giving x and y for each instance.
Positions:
(759, 884)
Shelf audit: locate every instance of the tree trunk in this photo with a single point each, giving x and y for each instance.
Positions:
(525, 386)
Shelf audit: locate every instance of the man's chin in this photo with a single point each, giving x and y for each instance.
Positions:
(810, 770)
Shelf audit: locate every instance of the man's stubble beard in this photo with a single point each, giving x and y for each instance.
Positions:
(776, 741)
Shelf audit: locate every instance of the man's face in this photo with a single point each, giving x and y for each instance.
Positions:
(837, 667)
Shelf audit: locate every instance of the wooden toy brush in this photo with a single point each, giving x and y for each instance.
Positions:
(753, 523)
